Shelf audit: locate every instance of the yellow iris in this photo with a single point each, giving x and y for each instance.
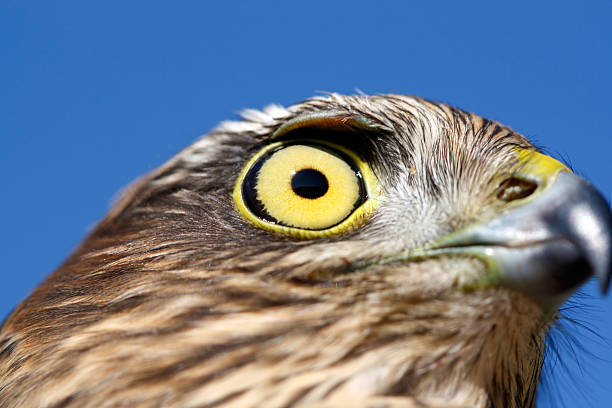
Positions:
(280, 199)
(307, 190)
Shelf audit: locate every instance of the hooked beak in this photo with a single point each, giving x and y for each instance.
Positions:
(547, 244)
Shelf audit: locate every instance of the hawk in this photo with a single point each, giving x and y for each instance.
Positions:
(347, 251)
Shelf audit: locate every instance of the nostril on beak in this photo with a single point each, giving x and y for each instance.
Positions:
(515, 188)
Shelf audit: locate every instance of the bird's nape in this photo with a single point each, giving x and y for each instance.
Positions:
(345, 251)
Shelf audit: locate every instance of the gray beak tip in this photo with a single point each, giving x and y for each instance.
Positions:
(592, 225)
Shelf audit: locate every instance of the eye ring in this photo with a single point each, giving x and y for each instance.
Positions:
(361, 211)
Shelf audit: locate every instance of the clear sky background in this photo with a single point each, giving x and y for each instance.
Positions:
(94, 94)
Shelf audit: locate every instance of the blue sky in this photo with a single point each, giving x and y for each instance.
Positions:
(94, 94)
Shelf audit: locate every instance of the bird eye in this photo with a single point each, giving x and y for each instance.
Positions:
(306, 189)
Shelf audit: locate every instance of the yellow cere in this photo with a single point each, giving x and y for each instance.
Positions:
(539, 168)
(274, 188)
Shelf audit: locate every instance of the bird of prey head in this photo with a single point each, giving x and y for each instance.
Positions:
(348, 251)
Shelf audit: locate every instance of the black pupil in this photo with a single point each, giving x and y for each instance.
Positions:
(309, 183)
